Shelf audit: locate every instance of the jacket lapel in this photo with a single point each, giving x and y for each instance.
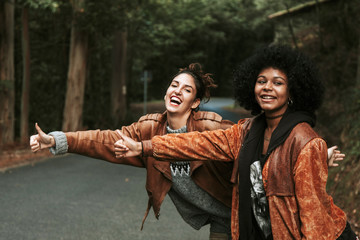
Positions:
(164, 168)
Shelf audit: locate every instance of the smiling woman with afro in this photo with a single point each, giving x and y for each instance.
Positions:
(305, 87)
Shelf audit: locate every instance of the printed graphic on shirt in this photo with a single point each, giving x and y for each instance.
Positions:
(258, 199)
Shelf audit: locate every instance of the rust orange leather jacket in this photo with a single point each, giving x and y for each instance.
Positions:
(213, 177)
(294, 177)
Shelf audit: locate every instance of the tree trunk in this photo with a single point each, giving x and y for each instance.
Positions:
(358, 66)
(24, 123)
(74, 101)
(7, 80)
(118, 83)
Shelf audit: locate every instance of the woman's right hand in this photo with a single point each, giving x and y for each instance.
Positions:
(41, 140)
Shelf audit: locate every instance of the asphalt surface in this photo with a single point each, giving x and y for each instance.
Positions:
(217, 105)
(76, 197)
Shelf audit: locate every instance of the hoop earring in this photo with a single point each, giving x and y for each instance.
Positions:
(290, 102)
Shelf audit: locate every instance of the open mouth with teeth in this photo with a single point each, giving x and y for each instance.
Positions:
(175, 100)
(267, 97)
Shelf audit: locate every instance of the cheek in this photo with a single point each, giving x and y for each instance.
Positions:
(167, 94)
(257, 91)
(285, 93)
(189, 96)
(256, 96)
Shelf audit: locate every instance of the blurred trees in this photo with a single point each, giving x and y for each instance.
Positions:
(214, 33)
(118, 80)
(8, 44)
(122, 38)
(75, 86)
(7, 72)
(24, 122)
(24, 5)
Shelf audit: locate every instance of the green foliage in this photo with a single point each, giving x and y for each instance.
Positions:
(352, 127)
(96, 110)
(49, 48)
(173, 34)
(103, 17)
(163, 36)
(336, 54)
(52, 5)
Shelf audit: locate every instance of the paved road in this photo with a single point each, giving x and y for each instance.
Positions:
(217, 105)
(75, 197)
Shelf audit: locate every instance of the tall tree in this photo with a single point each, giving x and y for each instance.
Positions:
(118, 82)
(74, 99)
(7, 92)
(24, 122)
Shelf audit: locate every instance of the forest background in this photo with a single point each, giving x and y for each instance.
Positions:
(80, 64)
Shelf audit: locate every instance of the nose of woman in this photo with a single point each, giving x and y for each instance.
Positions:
(268, 86)
(177, 91)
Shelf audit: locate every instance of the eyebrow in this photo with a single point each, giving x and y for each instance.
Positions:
(274, 77)
(185, 84)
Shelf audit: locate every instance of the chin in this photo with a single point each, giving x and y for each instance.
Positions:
(172, 109)
(266, 108)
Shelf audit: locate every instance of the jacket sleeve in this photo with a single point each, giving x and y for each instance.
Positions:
(100, 144)
(319, 216)
(225, 124)
(222, 145)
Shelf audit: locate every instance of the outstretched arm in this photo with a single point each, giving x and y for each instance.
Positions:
(221, 145)
(92, 143)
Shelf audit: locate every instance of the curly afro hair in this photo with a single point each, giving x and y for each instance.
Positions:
(305, 88)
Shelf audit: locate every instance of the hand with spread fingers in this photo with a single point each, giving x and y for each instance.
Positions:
(126, 147)
(41, 140)
(334, 155)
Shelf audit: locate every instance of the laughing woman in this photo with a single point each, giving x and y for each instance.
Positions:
(280, 162)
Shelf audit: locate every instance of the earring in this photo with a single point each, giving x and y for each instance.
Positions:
(290, 102)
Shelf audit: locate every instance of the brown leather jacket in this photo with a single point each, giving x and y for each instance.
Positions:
(294, 177)
(213, 177)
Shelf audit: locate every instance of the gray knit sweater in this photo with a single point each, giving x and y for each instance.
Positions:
(195, 205)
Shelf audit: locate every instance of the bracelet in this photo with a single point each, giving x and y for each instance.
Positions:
(142, 149)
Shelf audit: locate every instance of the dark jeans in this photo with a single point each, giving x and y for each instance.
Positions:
(348, 234)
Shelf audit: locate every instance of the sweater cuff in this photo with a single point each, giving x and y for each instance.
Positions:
(147, 148)
(61, 145)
